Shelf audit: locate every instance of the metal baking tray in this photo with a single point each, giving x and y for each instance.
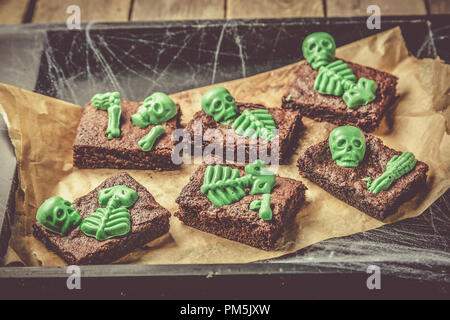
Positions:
(138, 58)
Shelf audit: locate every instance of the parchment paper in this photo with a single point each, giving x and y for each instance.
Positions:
(43, 129)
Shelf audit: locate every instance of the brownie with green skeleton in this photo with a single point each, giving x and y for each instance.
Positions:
(119, 134)
(236, 130)
(360, 170)
(333, 90)
(247, 204)
(109, 222)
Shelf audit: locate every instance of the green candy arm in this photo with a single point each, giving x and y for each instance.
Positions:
(395, 168)
(113, 129)
(255, 205)
(381, 183)
(147, 142)
(265, 212)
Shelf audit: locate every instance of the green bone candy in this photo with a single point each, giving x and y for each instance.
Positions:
(319, 49)
(114, 220)
(361, 94)
(263, 205)
(157, 108)
(220, 104)
(110, 102)
(147, 142)
(334, 78)
(395, 168)
(255, 124)
(263, 180)
(58, 216)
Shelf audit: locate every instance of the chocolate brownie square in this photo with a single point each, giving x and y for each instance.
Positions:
(149, 220)
(92, 148)
(347, 185)
(236, 221)
(288, 122)
(303, 97)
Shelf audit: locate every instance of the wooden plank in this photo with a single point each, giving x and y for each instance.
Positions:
(54, 11)
(12, 11)
(154, 10)
(439, 6)
(352, 8)
(274, 8)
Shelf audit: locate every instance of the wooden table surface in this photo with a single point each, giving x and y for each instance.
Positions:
(54, 11)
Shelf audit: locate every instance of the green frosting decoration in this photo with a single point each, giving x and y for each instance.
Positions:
(156, 109)
(220, 104)
(147, 142)
(263, 205)
(114, 220)
(347, 146)
(319, 49)
(58, 216)
(360, 94)
(263, 180)
(223, 185)
(255, 124)
(395, 168)
(335, 77)
(110, 102)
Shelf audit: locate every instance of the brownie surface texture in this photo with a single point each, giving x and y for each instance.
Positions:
(303, 97)
(149, 221)
(93, 149)
(236, 221)
(288, 122)
(346, 184)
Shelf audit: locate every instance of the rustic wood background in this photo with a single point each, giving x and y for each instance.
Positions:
(54, 11)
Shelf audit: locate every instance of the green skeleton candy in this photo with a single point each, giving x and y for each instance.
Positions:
(58, 216)
(156, 109)
(114, 220)
(223, 185)
(319, 49)
(335, 77)
(361, 94)
(263, 205)
(255, 124)
(147, 142)
(347, 146)
(110, 102)
(395, 168)
(220, 104)
(263, 180)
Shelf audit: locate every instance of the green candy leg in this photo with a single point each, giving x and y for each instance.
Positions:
(263, 205)
(113, 129)
(147, 142)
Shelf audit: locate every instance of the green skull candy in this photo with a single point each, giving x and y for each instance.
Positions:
(347, 146)
(58, 216)
(157, 108)
(117, 196)
(319, 49)
(219, 104)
